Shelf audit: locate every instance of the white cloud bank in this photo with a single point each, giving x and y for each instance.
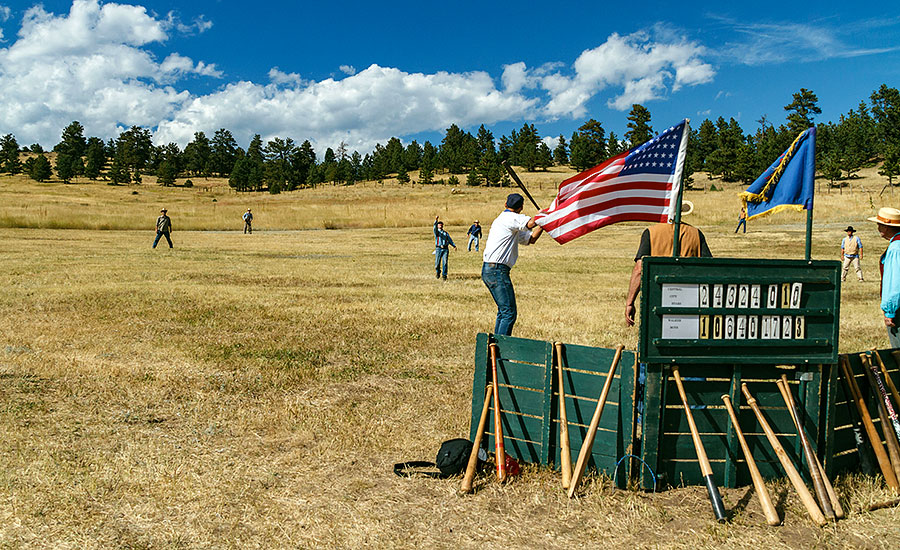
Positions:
(94, 65)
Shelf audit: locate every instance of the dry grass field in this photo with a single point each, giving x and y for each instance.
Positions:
(253, 391)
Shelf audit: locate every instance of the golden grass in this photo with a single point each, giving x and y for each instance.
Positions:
(254, 391)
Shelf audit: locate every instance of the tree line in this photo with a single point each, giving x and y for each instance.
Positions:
(863, 136)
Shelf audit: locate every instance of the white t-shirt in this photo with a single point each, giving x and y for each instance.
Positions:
(504, 237)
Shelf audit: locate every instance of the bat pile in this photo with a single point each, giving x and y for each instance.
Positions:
(571, 478)
(828, 507)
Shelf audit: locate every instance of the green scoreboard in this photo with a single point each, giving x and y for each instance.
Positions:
(739, 311)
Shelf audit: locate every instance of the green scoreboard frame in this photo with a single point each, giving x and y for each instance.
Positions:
(739, 311)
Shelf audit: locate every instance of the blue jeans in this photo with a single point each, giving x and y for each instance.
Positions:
(740, 223)
(473, 238)
(160, 234)
(496, 278)
(893, 336)
(440, 260)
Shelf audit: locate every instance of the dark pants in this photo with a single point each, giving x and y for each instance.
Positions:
(740, 223)
(161, 234)
(496, 278)
(247, 228)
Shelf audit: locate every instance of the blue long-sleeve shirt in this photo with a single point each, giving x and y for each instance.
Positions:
(442, 238)
(890, 278)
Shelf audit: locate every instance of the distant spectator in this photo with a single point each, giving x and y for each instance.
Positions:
(742, 219)
(248, 221)
(851, 253)
(163, 227)
(474, 234)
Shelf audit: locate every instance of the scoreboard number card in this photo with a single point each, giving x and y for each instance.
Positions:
(752, 327)
(775, 327)
(744, 296)
(704, 295)
(800, 327)
(772, 297)
(729, 327)
(731, 296)
(717, 327)
(755, 296)
(717, 295)
(766, 330)
(704, 326)
(741, 333)
(796, 291)
(785, 295)
(787, 331)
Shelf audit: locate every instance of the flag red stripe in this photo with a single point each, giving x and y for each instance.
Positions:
(605, 205)
(614, 187)
(588, 227)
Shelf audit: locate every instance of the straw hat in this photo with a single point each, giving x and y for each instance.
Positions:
(887, 216)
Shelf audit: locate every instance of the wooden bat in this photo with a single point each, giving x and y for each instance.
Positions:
(515, 177)
(805, 496)
(565, 452)
(714, 497)
(585, 453)
(887, 470)
(815, 473)
(764, 499)
(499, 452)
(882, 504)
(879, 383)
(890, 438)
(466, 485)
(887, 378)
(866, 453)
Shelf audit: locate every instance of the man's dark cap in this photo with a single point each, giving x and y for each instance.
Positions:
(850, 228)
(515, 201)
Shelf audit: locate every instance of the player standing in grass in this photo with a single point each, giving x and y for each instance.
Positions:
(163, 227)
(442, 241)
(248, 221)
(851, 253)
(510, 229)
(888, 220)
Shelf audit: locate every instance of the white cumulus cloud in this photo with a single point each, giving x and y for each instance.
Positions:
(96, 64)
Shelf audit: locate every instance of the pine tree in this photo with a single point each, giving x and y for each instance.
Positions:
(802, 110)
(65, 166)
(561, 151)
(402, 175)
(95, 158)
(544, 156)
(9, 155)
(473, 178)
(639, 130)
(40, 168)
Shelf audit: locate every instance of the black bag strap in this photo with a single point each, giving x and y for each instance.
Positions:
(409, 469)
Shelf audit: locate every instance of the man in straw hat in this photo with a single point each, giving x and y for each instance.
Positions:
(851, 253)
(658, 240)
(163, 227)
(888, 220)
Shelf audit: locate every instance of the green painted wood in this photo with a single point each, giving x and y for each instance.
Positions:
(522, 349)
(651, 421)
(520, 400)
(546, 410)
(820, 304)
(525, 375)
(734, 453)
(627, 425)
(479, 382)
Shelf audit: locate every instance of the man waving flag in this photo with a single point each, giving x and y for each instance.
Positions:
(639, 185)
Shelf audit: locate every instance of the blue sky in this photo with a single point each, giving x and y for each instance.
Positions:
(361, 72)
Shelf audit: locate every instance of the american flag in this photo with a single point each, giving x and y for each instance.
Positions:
(638, 185)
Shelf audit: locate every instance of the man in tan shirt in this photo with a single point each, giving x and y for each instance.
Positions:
(851, 253)
(658, 240)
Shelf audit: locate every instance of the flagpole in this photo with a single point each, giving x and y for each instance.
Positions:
(676, 241)
(809, 212)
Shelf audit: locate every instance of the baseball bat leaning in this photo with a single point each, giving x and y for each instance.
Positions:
(764, 499)
(887, 469)
(714, 497)
(887, 378)
(565, 452)
(499, 451)
(466, 485)
(879, 383)
(815, 474)
(890, 437)
(866, 452)
(805, 496)
(585, 453)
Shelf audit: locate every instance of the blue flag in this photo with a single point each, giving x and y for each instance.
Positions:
(788, 183)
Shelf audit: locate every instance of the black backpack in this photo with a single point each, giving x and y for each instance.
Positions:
(452, 458)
